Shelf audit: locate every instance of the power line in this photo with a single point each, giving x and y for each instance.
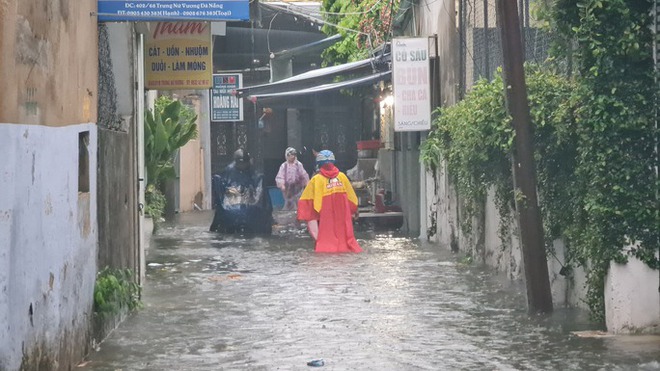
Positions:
(319, 20)
(321, 12)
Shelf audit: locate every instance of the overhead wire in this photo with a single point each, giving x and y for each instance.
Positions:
(321, 12)
(310, 16)
(318, 20)
(270, 25)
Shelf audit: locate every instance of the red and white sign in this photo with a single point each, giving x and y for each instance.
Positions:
(411, 84)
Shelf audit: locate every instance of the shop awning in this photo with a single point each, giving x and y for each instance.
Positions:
(311, 77)
(365, 80)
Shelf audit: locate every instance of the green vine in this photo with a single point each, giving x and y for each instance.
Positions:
(595, 140)
(616, 157)
(115, 290)
(474, 139)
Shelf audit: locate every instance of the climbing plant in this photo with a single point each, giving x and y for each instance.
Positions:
(474, 139)
(595, 139)
(616, 160)
(372, 19)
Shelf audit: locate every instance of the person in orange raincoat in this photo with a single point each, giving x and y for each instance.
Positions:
(327, 205)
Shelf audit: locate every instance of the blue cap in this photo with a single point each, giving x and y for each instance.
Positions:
(325, 157)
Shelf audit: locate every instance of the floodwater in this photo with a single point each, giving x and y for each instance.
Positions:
(215, 302)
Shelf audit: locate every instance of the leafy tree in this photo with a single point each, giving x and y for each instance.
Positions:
(369, 20)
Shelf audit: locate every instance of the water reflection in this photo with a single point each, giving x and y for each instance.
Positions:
(241, 303)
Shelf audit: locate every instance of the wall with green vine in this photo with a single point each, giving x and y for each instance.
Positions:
(595, 140)
(616, 161)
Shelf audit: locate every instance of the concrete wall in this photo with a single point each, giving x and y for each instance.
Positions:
(407, 180)
(48, 237)
(435, 18)
(49, 64)
(117, 200)
(632, 297)
(48, 229)
(632, 301)
(117, 170)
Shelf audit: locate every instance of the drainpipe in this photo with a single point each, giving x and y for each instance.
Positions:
(656, 60)
(141, 171)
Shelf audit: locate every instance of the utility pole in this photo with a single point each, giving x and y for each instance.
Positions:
(539, 297)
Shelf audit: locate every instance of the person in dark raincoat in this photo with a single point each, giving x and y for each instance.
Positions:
(241, 202)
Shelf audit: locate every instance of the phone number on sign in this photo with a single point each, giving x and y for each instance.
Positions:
(206, 13)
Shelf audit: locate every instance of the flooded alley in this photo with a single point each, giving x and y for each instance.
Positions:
(215, 302)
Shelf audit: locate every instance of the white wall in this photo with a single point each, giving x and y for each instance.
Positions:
(632, 301)
(48, 240)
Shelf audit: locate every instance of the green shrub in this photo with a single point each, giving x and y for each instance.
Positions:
(155, 203)
(115, 290)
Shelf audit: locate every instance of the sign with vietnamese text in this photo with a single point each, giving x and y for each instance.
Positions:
(225, 105)
(178, 55)
(410, 81)
(173, 10)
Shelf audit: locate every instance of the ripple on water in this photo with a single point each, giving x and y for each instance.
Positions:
(241, 303)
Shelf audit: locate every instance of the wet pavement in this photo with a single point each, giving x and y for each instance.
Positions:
(215, 302)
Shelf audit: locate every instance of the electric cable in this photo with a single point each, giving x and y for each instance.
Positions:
(322, 12)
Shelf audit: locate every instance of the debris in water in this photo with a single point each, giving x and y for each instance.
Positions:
(232, 277)
(316, 363)
(591, 334)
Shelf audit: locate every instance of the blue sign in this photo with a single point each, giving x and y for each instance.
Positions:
(225, 105)
(173, 10)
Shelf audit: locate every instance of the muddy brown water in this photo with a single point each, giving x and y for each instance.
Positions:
(214, 302)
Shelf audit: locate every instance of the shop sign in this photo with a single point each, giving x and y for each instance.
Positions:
(410, 81)
(225, 105)
(178, 55)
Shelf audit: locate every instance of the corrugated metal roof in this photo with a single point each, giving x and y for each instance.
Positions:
(312, 77)
(365, 80)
